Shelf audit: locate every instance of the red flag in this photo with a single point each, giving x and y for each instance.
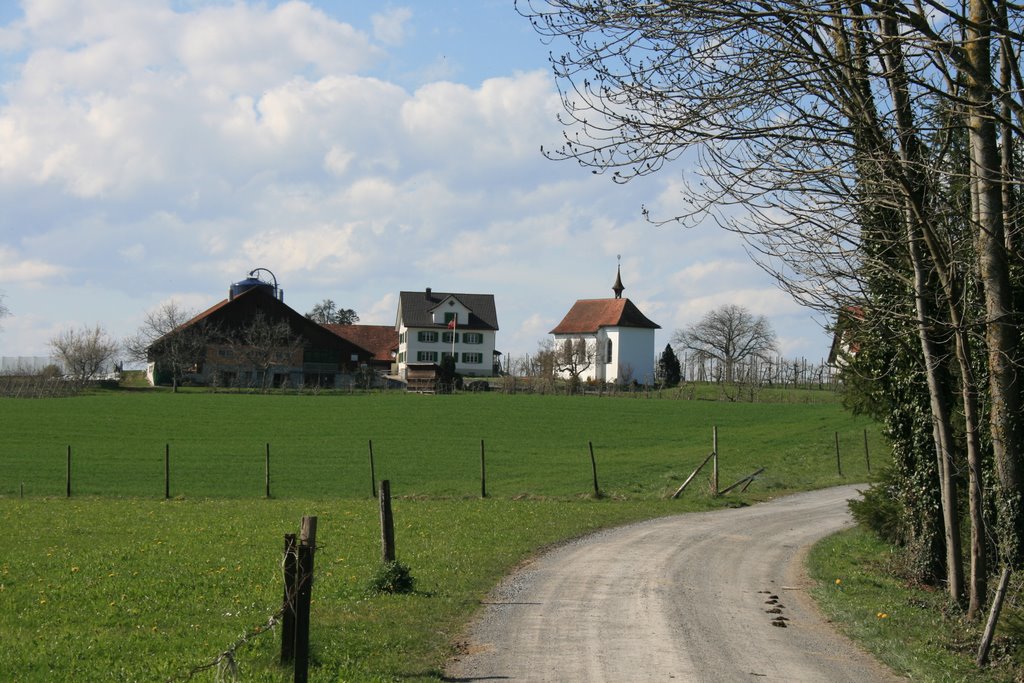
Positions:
(451, 324)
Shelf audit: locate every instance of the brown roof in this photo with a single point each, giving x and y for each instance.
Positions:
(589, 315)
(380, 340)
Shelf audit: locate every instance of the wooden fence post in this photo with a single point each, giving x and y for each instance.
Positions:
(288, 608)
(373, 475)
(839, 462)
(304, 596)
(483, 471)
(993, 618)
(867, 456)
(593, 466)
(266, 493)
(714, 462)
(387, 523)
(69, 473)
(167, 471)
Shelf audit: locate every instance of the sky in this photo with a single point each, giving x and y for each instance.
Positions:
(160, 150)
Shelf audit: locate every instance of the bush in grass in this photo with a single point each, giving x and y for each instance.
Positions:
(392, 577)
(880, 510)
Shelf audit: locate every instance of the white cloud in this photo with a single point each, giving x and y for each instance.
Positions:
(15, 268)
(391, 27)
(153, 153)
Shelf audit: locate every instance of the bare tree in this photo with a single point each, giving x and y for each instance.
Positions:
(166, 339)
(86, 352)
(835, 126)
(573, 357)
(263, 344)
(4, 310)
(730, 334)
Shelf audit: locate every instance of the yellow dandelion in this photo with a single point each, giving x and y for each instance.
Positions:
(838, 581)
(74, 570)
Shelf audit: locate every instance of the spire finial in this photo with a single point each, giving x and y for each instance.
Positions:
(617, 287)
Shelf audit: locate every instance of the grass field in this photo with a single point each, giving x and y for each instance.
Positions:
(426, 445)
(116, 583)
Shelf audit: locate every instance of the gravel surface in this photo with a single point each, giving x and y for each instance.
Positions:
(717, 596)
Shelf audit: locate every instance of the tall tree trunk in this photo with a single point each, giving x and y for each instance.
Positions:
(1000, 331)
(909, 178)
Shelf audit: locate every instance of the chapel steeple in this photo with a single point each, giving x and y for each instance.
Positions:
(617, 287)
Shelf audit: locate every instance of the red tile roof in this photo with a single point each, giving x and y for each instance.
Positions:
(588, 315)
(380, 340)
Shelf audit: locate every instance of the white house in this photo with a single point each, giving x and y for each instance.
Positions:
(619, 338)
(432, 325)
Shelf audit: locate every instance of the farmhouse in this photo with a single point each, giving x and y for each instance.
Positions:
(432, 325)
(615, 339)
(253, 338)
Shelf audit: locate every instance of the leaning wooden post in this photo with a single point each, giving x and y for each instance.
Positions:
(483, 472)
(373, 475)
(839, 462)
(69, 473)
(387, 523)
(303, 597)
(993, 618)
(714, 461)
(290, 565)
(167, 471)
(593, 466)
(867, 457)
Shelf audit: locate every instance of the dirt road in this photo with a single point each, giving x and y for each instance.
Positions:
(696, 597)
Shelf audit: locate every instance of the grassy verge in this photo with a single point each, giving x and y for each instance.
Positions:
(912, 629)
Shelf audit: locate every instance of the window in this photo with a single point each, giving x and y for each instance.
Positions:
(426, 356)
(449, 337)
(609, 355)
(473, 338)
(427, 337)
(401, 356)
(450, 316)
(473, 358)
(401, 338)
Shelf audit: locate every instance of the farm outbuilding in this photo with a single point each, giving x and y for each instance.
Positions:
(253, 338)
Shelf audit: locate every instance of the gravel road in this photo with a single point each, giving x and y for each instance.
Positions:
(715, 597)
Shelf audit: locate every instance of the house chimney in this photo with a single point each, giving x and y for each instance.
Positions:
(428, 292)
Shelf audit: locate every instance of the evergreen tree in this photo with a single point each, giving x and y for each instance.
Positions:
(668, 367)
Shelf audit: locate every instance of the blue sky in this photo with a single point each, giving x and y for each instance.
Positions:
(161, 149)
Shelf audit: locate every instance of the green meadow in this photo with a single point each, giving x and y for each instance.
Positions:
(117, 583)
(425, 445)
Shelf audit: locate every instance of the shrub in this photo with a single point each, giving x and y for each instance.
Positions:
(879, 509)
(392, 577)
